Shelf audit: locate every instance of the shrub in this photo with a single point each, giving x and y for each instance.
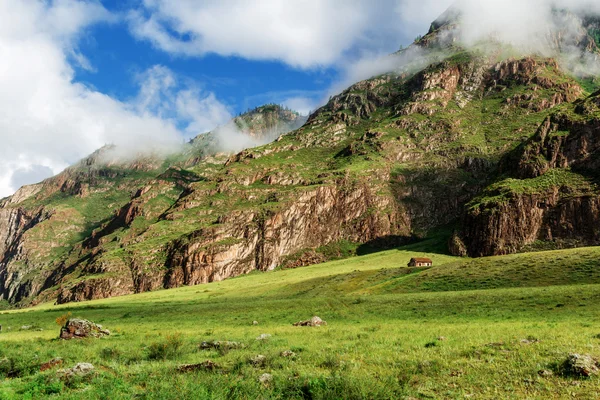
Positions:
(166, 349)
(110, 353)
(42, 386)
(62, 320)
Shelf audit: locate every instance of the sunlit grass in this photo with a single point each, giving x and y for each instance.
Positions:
(381, 340)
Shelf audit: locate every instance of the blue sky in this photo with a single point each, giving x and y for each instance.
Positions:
(117, 57)
(239, 82)
(148, 75)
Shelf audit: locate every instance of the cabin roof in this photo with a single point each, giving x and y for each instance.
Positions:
(421, 259)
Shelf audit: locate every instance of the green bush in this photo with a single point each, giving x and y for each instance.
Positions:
(167, 349)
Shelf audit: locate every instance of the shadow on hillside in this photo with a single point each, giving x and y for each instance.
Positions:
(433, 244)
(385, 243)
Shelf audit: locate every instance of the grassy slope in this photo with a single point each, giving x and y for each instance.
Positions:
(380, 314)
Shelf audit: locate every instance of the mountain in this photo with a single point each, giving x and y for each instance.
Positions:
(45, 228)
(496, 148)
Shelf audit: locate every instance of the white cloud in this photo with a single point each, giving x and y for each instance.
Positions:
(48, 121)
(303, 105)
(524, 24)
(417, 15)
(305, 33)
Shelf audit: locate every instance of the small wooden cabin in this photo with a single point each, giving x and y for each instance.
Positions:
(420, 262)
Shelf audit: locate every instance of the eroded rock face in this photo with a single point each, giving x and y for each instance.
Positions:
(260, 241)
(562, 211)
(508, 227)
(14, 223)
(80, 328)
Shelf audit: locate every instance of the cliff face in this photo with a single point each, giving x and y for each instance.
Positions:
(509, 148)
(244, 241)
(554, 198)
(48, 230)
(16, 260)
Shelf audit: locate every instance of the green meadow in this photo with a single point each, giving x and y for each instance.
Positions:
(463, 329)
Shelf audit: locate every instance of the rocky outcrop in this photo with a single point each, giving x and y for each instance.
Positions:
(269, 121)
(504, 228)
(81, 328)
(546, 203)
(97, 288)
(14, 223)
(562, 141)
(580, 365)
(247, 241)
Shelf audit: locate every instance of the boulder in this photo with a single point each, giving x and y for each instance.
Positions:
(81, 328)
(582, 365)
(220, 345)
(207, 365)
(314, 321)
(265, 379)
(258, 361)
(288, 354)
(545, 373)
(264, 336)
(81, 369)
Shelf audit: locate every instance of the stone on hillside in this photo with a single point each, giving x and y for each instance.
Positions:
(544, 373)
(580, 365)
(258, 361)
(81, 369)
(441, 338)
(314, 321)
(207, 365)
(220, 345)
(81, 328)
(26, 327)
(288, 354)
(529, 340)
(265, 379)
(264, 336)
(254, 322)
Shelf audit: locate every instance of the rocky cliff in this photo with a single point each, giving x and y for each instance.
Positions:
(550, 193)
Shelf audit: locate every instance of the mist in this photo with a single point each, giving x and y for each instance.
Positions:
(549, 28)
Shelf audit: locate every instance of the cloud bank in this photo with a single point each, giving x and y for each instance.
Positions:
(303, 34)
(48, 120)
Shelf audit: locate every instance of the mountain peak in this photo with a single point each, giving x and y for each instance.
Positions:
(269, 120)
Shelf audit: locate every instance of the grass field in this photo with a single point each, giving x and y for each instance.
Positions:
(381, 341)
